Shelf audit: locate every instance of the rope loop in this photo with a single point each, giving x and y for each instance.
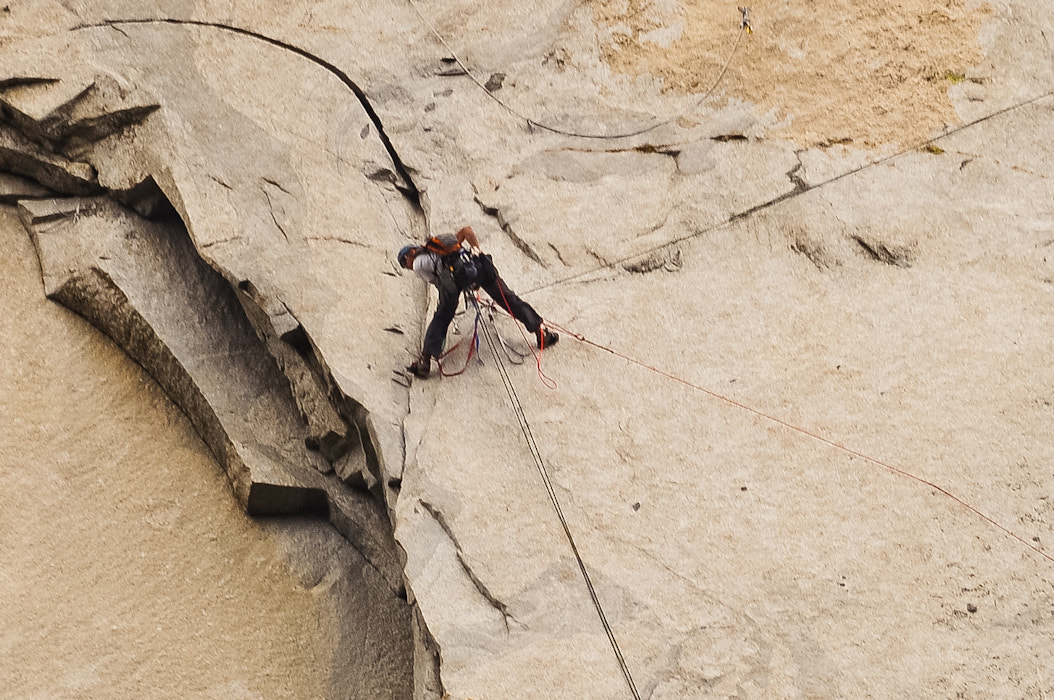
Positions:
(744, 28)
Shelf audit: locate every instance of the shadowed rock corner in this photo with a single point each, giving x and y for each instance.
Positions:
(142, 283)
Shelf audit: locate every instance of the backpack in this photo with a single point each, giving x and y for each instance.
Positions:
(457, 261)
(443, 245)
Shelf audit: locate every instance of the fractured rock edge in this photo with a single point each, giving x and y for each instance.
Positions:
(143, 285)
(81, 272)
(341, 434)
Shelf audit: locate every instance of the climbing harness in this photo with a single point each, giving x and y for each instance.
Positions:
(473, 301)
(481, 308)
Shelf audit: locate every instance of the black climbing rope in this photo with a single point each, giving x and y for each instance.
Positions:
(489, 333)
(744, 28)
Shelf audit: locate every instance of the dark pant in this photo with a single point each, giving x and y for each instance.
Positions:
(495, 287)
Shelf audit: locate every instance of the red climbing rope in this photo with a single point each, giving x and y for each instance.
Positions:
(547, 381)
(815, 436)
(471, 350)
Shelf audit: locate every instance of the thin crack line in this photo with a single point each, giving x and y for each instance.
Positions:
(800, 188)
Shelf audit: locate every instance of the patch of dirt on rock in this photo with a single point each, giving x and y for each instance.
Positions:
(873, 73)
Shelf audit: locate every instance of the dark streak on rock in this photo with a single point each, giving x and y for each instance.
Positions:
(646, 263)
(494, 82)
(497, 604)
(523, 245)
(438, 516)
(900, 256)
(337, 239)
(558, 255)
(409, 188)
(800, 185)
(209, 244)
(485, 592)
(269, 181)
(270, 210)
(19, 81)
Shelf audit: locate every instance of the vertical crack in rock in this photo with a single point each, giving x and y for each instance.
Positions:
(274, 218)
(484, 591)
(338, 425)
(559, 255)
(408, 188)
(428, 685)
(521, 244)
(288, 344)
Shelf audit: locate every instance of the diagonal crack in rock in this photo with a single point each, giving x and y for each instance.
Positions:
(483, 589)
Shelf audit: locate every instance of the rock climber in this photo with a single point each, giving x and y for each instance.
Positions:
(473, 271)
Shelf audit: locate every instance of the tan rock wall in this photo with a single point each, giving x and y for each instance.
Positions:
(129, 569)
(805, 451)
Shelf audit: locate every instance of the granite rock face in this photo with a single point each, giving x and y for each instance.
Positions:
(793, 439)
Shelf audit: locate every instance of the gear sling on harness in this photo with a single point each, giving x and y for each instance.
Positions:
(460, 272)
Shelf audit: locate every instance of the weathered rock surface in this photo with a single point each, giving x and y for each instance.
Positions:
(141, 284)
(823, 423)
(129, 568)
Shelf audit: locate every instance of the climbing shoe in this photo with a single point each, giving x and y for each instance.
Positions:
(546, 337)
(421, 367)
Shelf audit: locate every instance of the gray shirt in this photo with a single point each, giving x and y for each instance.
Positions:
(429, 267)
